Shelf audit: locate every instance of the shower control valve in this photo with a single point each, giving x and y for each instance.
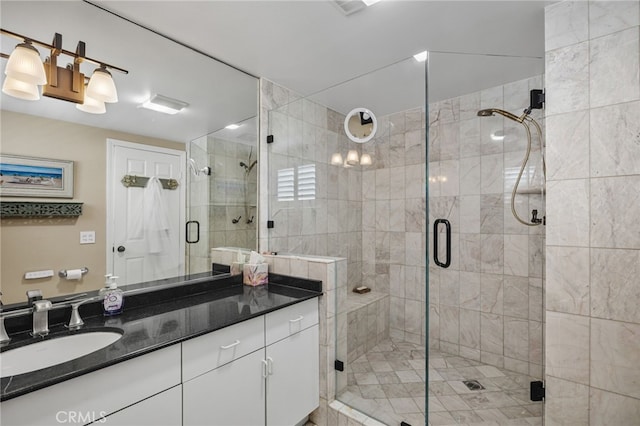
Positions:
(534, 217)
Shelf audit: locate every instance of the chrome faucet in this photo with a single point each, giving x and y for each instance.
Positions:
(4, 337)
(40, 309)
(75, 322)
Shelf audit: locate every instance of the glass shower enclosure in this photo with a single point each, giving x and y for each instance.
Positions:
(448, 327)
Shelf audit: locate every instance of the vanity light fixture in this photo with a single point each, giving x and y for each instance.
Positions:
(421, 57)
(25, 71)
(370, 2)
(20, 89)
(164, 104)
(336, 159)
(365, 160)
(352, 157)
(91, 105)
(232, 126)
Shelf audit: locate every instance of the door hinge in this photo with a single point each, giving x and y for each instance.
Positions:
(536, 99)
(537, 391)
(270, 224)
(338, 365)
(270, 139)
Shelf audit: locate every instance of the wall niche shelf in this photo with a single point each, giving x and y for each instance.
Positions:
(39, 209)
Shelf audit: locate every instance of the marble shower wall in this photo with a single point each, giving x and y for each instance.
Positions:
(487, 305)
(593, 243)
(198, 208)
(217, 199)
(232, 194)
(307, 134)
(393, 221)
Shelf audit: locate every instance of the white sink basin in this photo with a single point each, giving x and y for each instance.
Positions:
(54, 351)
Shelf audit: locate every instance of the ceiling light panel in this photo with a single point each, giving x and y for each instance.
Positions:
(164, 104)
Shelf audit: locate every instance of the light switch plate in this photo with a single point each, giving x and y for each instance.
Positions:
(87, 237)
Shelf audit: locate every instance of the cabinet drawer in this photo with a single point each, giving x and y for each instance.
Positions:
(94, 394)
(290, 320)
(220, 347)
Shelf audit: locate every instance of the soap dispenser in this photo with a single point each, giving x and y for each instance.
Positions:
(113, 297)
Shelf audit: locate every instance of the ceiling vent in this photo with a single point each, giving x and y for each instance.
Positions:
(349, 7)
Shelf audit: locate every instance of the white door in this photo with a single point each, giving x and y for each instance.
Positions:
(145, 228)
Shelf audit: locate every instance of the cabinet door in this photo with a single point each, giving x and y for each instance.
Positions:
(163, 409)
(231, 395)
(293, 384)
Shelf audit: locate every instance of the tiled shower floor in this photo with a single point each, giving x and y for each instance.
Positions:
(387, 383)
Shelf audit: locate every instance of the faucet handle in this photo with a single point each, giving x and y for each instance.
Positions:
(75, 322)
(34, 295)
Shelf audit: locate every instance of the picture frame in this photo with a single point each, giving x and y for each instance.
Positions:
(35, 177)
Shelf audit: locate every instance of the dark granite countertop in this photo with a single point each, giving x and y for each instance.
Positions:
(155, 316)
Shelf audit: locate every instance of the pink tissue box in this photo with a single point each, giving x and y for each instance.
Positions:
(255, 274)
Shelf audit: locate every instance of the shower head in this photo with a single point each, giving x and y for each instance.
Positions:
(493, 111)
(247, 168)
(206, 170)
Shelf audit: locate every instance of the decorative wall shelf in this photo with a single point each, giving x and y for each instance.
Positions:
(39, 209)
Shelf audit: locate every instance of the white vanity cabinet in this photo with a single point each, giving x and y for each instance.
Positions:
(231, 395)
(280, 378)
(263, 371)
(88, 398)
(163, 409)
(293, 389)
(223, 376)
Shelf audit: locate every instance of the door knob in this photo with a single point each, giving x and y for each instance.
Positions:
(121, 249)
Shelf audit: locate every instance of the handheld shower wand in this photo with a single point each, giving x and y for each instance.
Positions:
(524, 119)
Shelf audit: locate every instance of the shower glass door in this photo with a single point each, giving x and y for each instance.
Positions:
(222, 205)
(485, 267)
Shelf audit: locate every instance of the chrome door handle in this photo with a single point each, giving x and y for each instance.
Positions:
(236, 343)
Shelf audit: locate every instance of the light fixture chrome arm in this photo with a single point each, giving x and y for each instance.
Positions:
(61, 51)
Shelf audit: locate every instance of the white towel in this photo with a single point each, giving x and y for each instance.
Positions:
(156, 223)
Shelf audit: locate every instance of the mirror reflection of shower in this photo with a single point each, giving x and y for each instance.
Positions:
(193, 166)
(525, 119)
(248, 167)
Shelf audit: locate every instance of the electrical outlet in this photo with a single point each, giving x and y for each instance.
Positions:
(87, 237)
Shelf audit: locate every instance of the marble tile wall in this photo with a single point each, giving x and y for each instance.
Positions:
(332, 316)
(593, 242)
(198, 208)
(232, 194)
(487, 305)
(394, 225)
(307, 133)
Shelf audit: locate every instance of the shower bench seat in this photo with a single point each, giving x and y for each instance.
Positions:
(368, 322)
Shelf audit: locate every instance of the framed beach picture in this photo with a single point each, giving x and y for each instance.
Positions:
(35, 177)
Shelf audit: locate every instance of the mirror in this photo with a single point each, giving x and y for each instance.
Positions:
(360, 125)
(218, 95)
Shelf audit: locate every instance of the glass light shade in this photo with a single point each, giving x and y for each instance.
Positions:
(352, 157)
(336, 159)
(92, 106)
(24, 64)
(101, 86)
(365, 160)
(20, 89)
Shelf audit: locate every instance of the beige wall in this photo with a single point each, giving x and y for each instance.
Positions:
(38, 244)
